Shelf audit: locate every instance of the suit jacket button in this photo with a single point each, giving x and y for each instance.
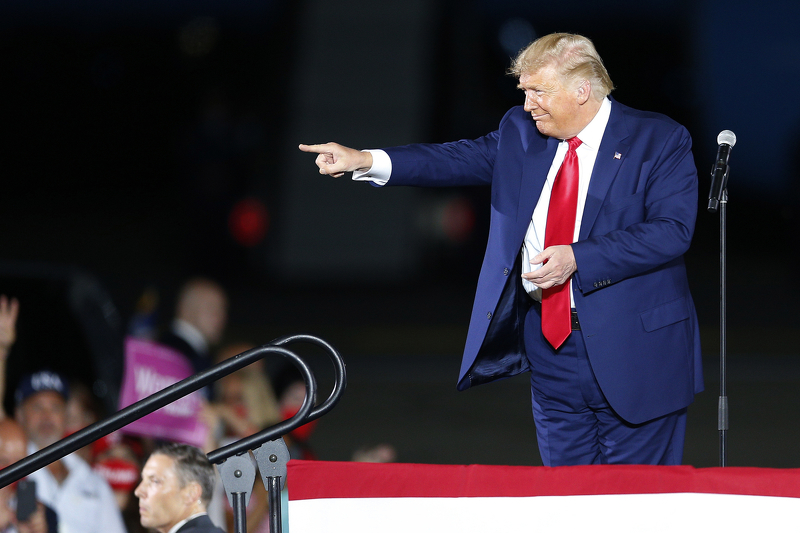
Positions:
(595, 284)
(505, 271)
(489, 316)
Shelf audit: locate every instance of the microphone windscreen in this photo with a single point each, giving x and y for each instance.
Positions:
(726, 137)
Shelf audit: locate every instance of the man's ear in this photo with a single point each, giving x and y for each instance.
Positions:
(192, 493)
(584, 92)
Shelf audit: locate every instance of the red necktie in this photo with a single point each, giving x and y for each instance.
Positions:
(560, 229)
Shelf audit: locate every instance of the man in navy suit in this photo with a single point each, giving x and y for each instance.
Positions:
(176, 487)
(615, 387)
(201, 314)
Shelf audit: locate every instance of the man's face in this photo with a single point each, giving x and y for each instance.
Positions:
(43, 418)
(206, 308)
(554, 107)
(12, 448)
(231, 393)
(162, 501)
(212, 315)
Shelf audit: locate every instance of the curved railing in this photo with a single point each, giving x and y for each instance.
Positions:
(308, 412)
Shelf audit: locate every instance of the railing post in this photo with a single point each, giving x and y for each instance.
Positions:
(238, 475)
(272, 458)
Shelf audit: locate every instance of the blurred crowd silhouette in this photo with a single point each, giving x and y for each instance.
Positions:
(93, 488)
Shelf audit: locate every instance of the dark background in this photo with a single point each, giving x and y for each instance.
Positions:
(132, 130)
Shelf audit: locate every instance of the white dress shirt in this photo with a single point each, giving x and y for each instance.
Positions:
(83, 501)
(590, 138)
(191, 335)
(380, 171)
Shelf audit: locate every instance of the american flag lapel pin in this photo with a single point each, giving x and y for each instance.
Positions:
(617, 155)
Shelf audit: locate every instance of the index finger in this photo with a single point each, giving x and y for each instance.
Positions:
(315, 148)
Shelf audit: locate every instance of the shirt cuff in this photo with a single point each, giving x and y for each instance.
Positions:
(379, 172)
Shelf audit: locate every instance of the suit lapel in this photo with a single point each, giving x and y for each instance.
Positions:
(538, 159)
(613, 150)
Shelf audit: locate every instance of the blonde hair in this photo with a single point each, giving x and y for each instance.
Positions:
(262, 406)
(258, 395)
(573, 56)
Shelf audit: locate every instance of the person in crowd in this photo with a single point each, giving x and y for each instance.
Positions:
(121, 474)
(83, 410)
(291, 390)
(83, 500)
(112, 456)
(379, 453)
(13, 442)
(118, 458)
(12, 449)
(244, 401)
(201, 314)
(176, 488)
(244, 405)
(593, 205)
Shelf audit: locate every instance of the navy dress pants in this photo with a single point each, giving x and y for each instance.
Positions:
(575, 425)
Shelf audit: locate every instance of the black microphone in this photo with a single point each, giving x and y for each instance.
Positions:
(719, 172)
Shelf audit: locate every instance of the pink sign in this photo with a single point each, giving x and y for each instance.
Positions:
(149, 368)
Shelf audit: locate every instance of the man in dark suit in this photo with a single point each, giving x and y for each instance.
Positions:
(583, 282)
(177, 484)
(201, 313)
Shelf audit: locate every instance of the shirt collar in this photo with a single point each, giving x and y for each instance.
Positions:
(179, 525)
(191, 335)
(592, 134)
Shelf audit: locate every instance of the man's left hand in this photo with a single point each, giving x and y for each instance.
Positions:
(559, 265)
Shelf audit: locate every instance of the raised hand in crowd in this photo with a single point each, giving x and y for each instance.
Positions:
(9, 310)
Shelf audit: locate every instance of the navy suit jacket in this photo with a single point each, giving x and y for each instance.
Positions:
(631, 291)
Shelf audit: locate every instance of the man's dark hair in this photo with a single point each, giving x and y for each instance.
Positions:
(191, 464)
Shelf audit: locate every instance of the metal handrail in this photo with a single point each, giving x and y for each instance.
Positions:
(282, 428)
(182, 388)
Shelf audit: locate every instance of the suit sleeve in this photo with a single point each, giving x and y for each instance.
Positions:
(648, 229)
(458, 163)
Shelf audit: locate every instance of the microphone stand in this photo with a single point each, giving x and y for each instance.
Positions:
(722, 408)
(718, 201)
